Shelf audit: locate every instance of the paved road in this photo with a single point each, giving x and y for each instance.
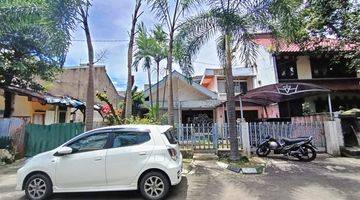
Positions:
(325, 178)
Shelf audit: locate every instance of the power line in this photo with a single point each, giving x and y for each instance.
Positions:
(205, 63)
(107, 41)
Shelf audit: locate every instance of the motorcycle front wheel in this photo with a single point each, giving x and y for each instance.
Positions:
(307, 154)
(263, 151)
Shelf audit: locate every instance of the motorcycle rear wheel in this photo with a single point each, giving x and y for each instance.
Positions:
(263, 151)
(308, 155)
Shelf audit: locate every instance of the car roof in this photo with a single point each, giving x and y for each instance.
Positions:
(152, 128)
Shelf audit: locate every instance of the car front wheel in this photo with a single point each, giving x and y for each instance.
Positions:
(154, 186)
(38, 187)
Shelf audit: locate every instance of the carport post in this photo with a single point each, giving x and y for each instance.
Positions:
(330, 106)
(241, 110)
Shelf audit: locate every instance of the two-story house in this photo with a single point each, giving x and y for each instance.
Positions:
(295, 64)
(290, 63)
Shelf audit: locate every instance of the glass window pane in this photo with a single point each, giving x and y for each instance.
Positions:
(170, 135)
(122, 139)
(90, 143)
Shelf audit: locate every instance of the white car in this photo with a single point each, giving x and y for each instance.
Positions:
(126, 157)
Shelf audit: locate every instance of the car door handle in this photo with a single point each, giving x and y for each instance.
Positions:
(97, 159)
(142, 153)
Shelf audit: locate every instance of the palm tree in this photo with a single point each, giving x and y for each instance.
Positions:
(170, 12)
(233, 22)
(144, 52)
(159, 54)
(151, 47)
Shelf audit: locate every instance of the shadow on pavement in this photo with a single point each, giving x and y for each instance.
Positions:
(176, 192)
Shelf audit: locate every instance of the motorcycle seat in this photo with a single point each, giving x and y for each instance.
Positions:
(293, 140)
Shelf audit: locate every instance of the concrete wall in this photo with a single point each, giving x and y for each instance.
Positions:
(25, 108)
(303, 67)
(334, 137)
(213, 86)
(265, 70)
(73, 82)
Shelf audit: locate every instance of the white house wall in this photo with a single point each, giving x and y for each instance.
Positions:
(265, 70)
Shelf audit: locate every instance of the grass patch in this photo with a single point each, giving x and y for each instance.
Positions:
(244, 162)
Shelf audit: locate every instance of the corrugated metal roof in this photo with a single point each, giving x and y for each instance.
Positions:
(46, 97)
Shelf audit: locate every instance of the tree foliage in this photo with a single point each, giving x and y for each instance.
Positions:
(324, 19)
(34, 39)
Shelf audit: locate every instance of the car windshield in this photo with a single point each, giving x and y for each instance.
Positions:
(170, 135)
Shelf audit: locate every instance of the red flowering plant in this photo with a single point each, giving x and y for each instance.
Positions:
(108, 110)
(105, 109)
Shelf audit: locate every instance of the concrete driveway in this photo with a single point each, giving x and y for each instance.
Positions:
(325, 178)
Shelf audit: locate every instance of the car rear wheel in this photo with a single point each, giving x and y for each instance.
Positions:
(154, 186)
(38, 187)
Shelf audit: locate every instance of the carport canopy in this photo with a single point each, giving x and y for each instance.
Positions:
(282, 92)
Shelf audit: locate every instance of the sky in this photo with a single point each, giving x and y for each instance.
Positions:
(111, 20)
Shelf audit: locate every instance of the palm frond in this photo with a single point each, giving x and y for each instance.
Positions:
(248, 49)
(161, 10)
(196, 31)
(187, 5)
(220, 48)
(183, 58)
(147, 63)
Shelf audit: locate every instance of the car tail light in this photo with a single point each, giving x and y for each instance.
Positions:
(172, 153)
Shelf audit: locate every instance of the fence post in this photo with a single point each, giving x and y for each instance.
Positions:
(331, 137)
(215, 137)
(245, 138)
(179, 133)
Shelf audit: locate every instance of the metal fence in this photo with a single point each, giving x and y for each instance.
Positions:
(260, 130)
(206, 136)
(12, 134)
(40, 138)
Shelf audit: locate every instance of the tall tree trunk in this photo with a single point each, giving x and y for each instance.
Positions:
(165, 88)
(234, 150)
(9, 99)
(170, 99)
(90, 96)
(150, 89)
(157, 88)
(128, 100)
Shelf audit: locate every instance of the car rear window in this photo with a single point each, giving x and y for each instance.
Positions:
(171, 136)
(123, 139)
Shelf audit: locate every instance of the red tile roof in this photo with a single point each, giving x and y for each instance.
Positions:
(268, 41)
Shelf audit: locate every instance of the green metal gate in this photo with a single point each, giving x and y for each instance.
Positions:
(41, 138)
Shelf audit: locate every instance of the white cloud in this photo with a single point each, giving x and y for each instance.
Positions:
(111, 19)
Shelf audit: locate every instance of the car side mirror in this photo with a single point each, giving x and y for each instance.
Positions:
(64, 151)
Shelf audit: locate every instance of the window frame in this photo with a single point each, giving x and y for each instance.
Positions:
(115, 131)
(284, 64)
(239, 86)
(106, 146)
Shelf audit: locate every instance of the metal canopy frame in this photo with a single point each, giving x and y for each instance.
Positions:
(282, 92)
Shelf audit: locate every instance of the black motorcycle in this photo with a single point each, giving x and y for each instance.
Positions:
(301, 148)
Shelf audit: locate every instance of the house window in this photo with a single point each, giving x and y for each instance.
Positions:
(286, 67)
(62, 114)
(323, 67)
(221, 86)
(240, 87)
(39, 118)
